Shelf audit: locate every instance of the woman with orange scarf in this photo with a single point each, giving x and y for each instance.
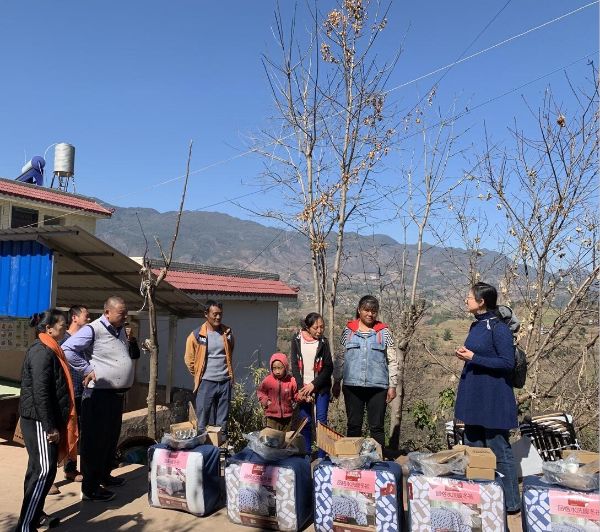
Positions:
(48, 420)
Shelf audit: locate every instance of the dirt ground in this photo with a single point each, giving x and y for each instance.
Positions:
(129, 511)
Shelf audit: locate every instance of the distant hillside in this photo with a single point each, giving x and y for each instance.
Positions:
(221, 240)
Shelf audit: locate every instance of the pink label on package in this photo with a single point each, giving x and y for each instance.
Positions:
(259, 474)
(173, 459)
(455, 490)
(363, 481)
(565, 503)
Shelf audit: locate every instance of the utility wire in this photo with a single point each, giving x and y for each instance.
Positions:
(264, 249)
(434, 85)
(446, 72)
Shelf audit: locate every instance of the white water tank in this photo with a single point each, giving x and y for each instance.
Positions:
(64, 160)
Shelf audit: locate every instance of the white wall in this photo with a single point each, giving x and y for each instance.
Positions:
(83, 220)
(254, 326)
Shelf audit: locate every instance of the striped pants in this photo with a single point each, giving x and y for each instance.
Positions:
(41, 470)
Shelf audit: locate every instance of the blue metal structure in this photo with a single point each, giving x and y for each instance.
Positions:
(33, 171)
(25, 278)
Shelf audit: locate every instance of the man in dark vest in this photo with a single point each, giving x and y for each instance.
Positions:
(208, 352)
(107, 375)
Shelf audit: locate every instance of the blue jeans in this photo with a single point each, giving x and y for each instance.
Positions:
(497, 441)
(212, 404)
(306, 411)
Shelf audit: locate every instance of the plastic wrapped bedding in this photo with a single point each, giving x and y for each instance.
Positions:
(185, 480)
(551, 508)
(454, 503)
(361, 499)
(268, 494)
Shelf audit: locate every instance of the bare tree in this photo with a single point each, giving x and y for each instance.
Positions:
(329, 94)
(423, 200)
(150, 281)
(547, 191)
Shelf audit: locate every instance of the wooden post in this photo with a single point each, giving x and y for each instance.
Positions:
(171, 356)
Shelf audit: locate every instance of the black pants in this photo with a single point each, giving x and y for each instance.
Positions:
(101, 414)
(70, 465)
(356, 398)
(41, 470)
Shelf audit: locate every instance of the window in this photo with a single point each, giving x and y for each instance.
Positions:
(22, 217)
(54, 219)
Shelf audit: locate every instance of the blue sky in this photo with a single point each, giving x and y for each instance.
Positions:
(130, 83)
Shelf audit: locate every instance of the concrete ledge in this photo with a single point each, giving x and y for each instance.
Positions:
(135, 424)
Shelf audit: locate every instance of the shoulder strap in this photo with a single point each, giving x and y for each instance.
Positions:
(93, 331)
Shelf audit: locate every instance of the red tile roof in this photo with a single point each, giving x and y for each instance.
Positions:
(47, 195)
(230, 285)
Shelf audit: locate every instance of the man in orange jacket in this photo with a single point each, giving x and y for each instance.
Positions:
(208, 352)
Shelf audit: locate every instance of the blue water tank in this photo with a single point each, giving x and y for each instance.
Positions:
(33, 171)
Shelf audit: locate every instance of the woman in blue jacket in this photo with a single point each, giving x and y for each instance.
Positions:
(485, 400)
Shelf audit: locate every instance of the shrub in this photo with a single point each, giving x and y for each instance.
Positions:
(245, 413)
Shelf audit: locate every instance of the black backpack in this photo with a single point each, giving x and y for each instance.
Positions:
(519, 374)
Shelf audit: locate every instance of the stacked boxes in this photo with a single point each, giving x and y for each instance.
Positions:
(482, 463)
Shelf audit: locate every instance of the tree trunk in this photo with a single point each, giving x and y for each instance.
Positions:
(153, 377)
(397, 405)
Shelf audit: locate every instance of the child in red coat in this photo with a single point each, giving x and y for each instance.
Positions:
(277, 394)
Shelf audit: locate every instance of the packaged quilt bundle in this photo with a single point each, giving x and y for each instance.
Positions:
(269, 494)
(361, 499)
(185, 480)
(552, 508)
(451, 503)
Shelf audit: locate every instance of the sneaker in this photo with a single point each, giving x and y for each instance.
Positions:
(74, 476)
(113, 481)
(100, 495)
(53, 490)
(48, 521)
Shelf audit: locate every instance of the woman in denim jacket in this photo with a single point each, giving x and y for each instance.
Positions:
(368, 368)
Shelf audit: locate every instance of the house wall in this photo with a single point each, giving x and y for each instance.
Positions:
(85, 221)
(254, 326)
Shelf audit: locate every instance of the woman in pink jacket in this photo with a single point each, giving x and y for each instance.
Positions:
(277, 394)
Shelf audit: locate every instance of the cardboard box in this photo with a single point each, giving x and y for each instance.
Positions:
(481, 457)
(326, 438)
(443, 457)
(192, 422)
(276, 437)
(335, 444)
(480, 473)
(214, 436)
(292, 438)
(346, 446)
(583, 457)
(462, 448)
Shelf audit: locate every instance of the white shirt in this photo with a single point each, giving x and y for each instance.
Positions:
(309, 352)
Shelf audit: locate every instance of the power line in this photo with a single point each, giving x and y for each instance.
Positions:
(490, 100)
(451, 119)
(393, 89)
(461, 55)
(490, 48)
(264, 249)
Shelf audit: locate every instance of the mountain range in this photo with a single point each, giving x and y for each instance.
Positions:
(217, 239)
